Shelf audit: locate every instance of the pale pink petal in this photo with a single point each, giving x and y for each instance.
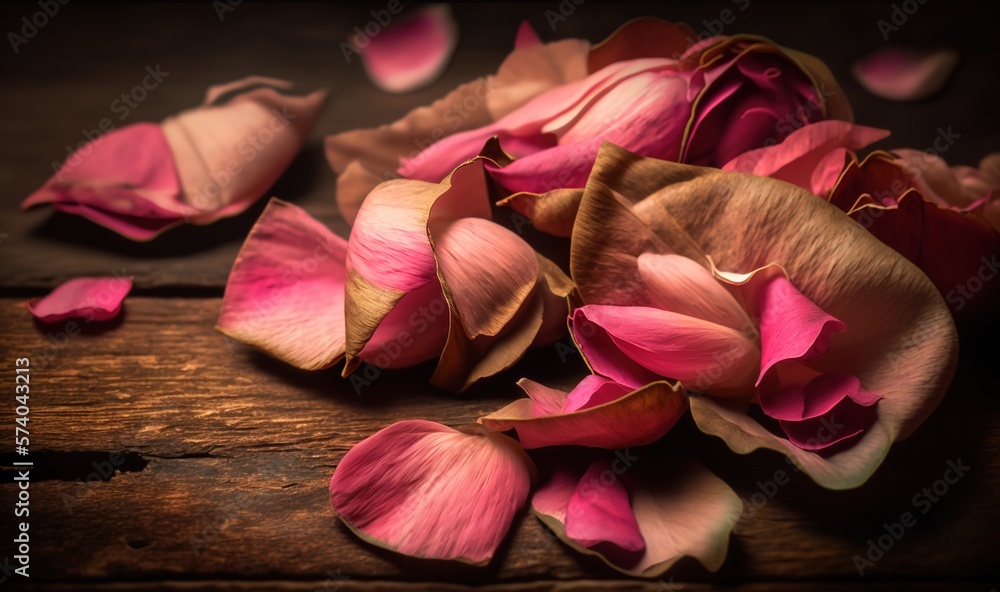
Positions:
(903, 74)
(229, 154)
(489, 271)
(285, 294)
(682, 285)
(609, 419)
(811, 157)
(412, 52)
(933, 178)
(701, 354)
(681, 510)
(426, 490)
(599, 512)
(91, 299)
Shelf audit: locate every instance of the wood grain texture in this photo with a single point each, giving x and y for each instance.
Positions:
(229, 455)
(65, 79)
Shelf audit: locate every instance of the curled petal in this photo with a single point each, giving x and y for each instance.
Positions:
(681, 510)
(597, 513)
(902, 74)
(890, 309)
(819, 433)
(935, 180)
(92, 299)
(285, 293)
(125, 180)
(413, 52)
(701, 354)
(791, 326)
(488, 271)
(426, 490)
(612, 417)
(229, 154)
(811, 157)
(681, 285)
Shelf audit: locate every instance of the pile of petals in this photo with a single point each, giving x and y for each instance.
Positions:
(731, 262)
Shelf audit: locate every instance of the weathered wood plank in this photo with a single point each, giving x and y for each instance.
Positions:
(48, 100)
(229, 454)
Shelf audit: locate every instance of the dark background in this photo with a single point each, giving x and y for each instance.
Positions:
(228, 448)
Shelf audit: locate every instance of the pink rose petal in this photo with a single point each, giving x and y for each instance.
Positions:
(679, 284)
(598, 413)
(92, 299)
(791, 326)
(285, 294)
(681, 510)
(599, 512)
(902, 74)
(811, 157)
(701, 354)
(427, 490)
(412, 52)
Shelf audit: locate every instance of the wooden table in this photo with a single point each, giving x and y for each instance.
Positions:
(222, 456)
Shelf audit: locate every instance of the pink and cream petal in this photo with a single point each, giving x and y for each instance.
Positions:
(285, 293)
(905, 74)
(681, 510)
(426, 490)
(91, 299)
(487, 270)
(636, 418)
(412, 52)
(890, 309)
(229, 154)
(679, 284)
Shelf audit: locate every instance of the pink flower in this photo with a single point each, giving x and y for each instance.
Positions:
(426, 274)
(750, 290)
(201, 165)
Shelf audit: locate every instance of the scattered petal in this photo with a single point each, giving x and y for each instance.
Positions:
(427, 490)
(91, 299)
(413, 52)
(903, 74)
(285, 293)
(616, 418)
